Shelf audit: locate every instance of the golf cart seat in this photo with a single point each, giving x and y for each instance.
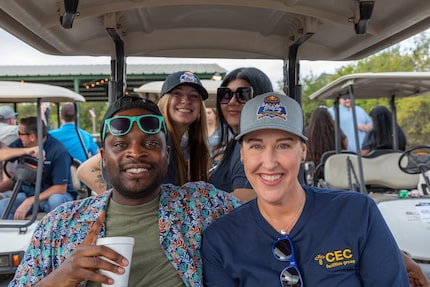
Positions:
(379, 171)
(319, 170)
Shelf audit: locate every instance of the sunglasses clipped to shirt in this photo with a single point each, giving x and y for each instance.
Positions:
(122, 125)
(283, 250)
(242, 94)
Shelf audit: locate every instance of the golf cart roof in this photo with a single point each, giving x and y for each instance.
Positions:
(376, 85)
(17, 92)
(261, 29)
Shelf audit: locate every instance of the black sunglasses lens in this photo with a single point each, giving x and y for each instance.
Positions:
(224, 95)
(244, 94)
(119, 126)
(290, 277)
(150, 124)
(282, 249)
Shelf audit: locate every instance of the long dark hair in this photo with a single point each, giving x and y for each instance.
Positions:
(260, 84)
(321, 135)
(383, 129)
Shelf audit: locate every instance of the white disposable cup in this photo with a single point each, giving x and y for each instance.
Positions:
(124, 246)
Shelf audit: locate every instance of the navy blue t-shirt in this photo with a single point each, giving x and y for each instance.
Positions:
(230, 174)
(56, 166)
(340, 239)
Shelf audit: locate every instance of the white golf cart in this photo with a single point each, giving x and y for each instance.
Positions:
(15, 235)
(391, 177)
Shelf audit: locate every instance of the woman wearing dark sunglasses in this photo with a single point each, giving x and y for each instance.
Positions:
(237, 88)
(295, 235)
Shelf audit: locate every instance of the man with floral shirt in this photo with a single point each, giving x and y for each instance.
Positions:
(165, 220)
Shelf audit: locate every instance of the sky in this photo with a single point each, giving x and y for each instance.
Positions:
(15, 52)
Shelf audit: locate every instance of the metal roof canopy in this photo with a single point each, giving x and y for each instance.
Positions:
(81, 77)
(371, 86)
(18, 92)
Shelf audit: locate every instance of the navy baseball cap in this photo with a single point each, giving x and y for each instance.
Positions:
(183, 78)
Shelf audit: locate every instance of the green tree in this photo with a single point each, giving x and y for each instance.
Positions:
(312, 84)
(420, 52)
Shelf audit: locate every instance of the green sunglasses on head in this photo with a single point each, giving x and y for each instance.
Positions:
(122, 125)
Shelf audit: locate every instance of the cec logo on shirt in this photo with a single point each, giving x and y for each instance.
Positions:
(336, 258)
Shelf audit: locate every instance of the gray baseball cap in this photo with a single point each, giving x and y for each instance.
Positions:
(6, 113)
(271, 111)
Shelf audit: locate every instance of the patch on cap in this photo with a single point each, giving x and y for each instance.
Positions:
(271, 111)
(272, 108)
(188, 77)
(183, 78)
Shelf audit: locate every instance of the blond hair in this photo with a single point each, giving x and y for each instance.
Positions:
(197, 169)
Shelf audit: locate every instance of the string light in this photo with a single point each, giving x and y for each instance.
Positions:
(94, 83)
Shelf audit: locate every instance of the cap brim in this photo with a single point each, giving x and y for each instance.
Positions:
(257, 128)
(202, 91)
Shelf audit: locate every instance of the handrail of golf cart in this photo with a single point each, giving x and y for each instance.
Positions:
(15, 92)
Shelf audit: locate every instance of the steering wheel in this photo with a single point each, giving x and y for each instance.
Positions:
(5, 167)
(25, 169)
(415, 160)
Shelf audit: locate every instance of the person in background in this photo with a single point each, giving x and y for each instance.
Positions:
(238, 87)
(294, 235)
(8, 127)
(181, 102)
(70, 136)
(165, 220)
(214, 132)
(321, 135)
(57, 186)
(381, 135)
(364, 122)
(45, 111)
(8, 134)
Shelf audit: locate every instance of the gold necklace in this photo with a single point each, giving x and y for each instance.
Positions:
(286, 230)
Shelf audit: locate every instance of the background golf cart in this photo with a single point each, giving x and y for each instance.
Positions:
(386, 172)
(15, 234)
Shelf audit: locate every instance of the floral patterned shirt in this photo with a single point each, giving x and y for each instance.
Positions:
(184, 213)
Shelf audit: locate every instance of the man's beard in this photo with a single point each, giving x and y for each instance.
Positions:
(139, 189)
